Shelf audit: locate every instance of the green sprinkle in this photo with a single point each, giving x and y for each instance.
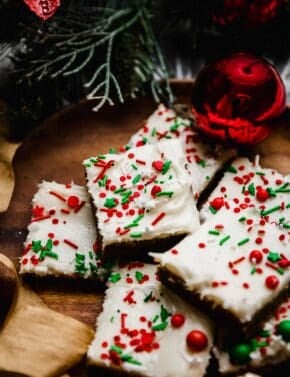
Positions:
(87, 165)
(280, 271)
(155, 319)
(165, 193)
(253, 270)
(175, 126)
(214, 232)
(136, 235)
(117, 349)
(242, 242)
(110, 203)
(134, 166)
(271, 192)
(112, 151)
(119, 190)
(125, 196)
(265, 334)
(115, 277)
(202, 163)
(101, 157)
(139, 276)
(259, 173)
(153, 133)
(273, 257)
(129, 359)
(251, 189)
(288, 205)
(160, 327)
(241, 219)
(232, 169)
(164, 314)
(51, 254)
(212, 210)
(135, 222)
(136, 179)
(223, 240)
(286, 226)
(80, 266)
(36, 246)
(49, 244)
(270, 210)
(144, 139)
(102, 182)
(148, 297)
(166, 166)
(281, 220)
(112, 319)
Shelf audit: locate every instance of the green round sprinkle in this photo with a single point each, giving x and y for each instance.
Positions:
(283, 329)
(240, 354)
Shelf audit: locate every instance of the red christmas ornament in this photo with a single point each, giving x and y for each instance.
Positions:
(217, 203)
(73, 201)
(235, 97)
(177, 320)
(256, 257)
(272, 282)
(262, 195)
(196, 340)
(247, 14)
(43, 8)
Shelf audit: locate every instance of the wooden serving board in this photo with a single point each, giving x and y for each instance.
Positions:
(56, 150)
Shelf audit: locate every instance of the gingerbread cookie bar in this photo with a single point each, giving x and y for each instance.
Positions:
(146, 330)
(204, 159)
(235, 267)
(61, 238)
(245, 184)
(270, 347)
(143, 199)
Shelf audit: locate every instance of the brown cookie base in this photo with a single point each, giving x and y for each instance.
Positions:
(230, 329)
(7, 289)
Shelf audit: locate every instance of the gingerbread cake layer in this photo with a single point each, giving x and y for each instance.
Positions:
(246, 183)
(235, 267)
(204, 159)
(142, 199)
(146, 330)
(61, 238)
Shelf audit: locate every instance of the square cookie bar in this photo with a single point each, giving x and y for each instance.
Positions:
(61, 238)
(146, 330)
(204, 159)
(235, 267)
(246, 184)
(270, 347)
(142, 198)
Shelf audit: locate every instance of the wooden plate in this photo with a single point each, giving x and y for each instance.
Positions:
(55, 152)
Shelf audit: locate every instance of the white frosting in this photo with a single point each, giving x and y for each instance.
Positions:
(69, 226)
(207, 262)
(167, 354)
(270, 347)
(245, 175)
(127, 209)
(204, 159)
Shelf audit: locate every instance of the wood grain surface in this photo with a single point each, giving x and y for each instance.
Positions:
(55, 152)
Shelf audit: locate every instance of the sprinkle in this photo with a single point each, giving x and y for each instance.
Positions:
(160, 327)
(241, 219)
(158, 218)
(110, 203)
(71, 244)
(165, 193)
(273, 257)
(251, 189)
(134, 167)
(270, 210)
(135, 222)
(136, 235)
(114, 277)
(212, 210)
(57, 195)
(232, 169)
(141, 162)
(73, 201)
(223, 240)
(40, 218)
(136, 179)
(65, 211)
(242, 242)
(214, 232)
(148, 297)
(80, 207)
(166, 166)
(139, 276)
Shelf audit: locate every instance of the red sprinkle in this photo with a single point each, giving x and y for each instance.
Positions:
(217, 203)
(256, 256)
(55, 221)
(71, 244)
(202, 245)
(155, 189)
(262, 195)
(271, 282)
(196, 340)
(158, 218)
(158, 165)
(57, 195)
(177, 320)
(73, 201)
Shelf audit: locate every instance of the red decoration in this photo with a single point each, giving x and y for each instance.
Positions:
(256, 257)
(43, 8)
(196, 340)
(177, 320)
(235, 98)
(217, 203)
(73, 201)
(272, 282)
(262, 195)
(247, 14)
(158, 165)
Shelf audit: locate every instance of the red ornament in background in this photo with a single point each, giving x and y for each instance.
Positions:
(43, 8)
(235, 97)
(247, 14)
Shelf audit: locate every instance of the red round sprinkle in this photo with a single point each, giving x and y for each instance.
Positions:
(102, 194)
(177, 320)
(278, 181)
(131, 155)
(50, 235)
(129, 280)
(34, 260)
(52, 212)
(201, 245)
(262, 195)
(247, 200)
(73, 201)
(155, 189)
(237, 210)
(56, 242)
(196, 340)
(136, 194)
(217, 203)
(158, 165)
(215, 284)
(24, 261)
(249, 221)
(256, 257)
(259, 240)
(282, 237)
(105, 344)
(246, 285)
(140, 143)
(55, 221)
(271, 282)
(241, 167)
(223, 189)
(174, 251)
(104, 356)
(122, 178)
